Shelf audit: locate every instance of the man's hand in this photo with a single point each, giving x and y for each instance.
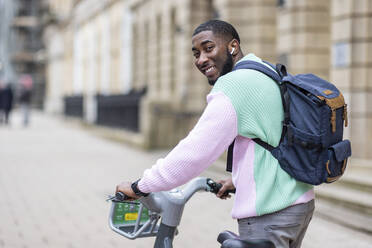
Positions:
(125, 187)
(226, 185)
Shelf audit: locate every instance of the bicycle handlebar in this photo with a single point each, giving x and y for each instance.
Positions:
(191, 188)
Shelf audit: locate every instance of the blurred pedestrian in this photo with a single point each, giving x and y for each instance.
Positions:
(25, 97)
(6, 102)
(1, 102)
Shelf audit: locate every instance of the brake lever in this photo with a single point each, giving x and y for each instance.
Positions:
(110, 198)
(119, 197)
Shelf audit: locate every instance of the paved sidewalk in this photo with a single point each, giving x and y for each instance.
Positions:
(54, 178)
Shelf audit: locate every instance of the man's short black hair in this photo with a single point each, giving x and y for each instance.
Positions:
(226, 30)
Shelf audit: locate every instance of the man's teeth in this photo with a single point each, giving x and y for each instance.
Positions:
(209, 69)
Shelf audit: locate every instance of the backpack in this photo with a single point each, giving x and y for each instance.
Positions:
(311, 148)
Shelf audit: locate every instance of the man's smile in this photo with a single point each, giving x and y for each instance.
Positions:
(210, 71)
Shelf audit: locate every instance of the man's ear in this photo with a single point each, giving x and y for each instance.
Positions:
(234, 47)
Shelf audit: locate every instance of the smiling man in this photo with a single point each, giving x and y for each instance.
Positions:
(242, 105)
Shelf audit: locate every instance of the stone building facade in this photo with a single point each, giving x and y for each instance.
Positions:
(112, 47)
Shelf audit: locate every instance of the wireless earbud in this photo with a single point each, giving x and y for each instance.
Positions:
(232, 51)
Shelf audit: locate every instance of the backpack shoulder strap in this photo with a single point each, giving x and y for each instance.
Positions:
(249, 64)
(276, 73)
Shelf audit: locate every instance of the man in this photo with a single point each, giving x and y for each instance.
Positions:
(243, 104)
(25, 97)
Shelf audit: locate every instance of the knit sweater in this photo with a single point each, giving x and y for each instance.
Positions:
(243, 105)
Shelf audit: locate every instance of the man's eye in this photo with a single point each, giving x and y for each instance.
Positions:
(209, 48)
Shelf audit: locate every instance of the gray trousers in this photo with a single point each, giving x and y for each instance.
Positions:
(285, 228)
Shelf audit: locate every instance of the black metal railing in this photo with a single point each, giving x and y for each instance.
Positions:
(120, 111)
(74, 106)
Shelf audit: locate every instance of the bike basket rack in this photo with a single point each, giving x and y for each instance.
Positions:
(132, 220)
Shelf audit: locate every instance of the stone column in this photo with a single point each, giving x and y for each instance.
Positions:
(105, 54)
(352, 68)
(126, 34)
(114, 48)
(167, 34)
(153, 38)
(78, 60)
(68, 61)
(54, 87)
(140, 49)
(90, 102)
(304, 36)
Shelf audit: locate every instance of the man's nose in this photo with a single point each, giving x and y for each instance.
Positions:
(203, 58)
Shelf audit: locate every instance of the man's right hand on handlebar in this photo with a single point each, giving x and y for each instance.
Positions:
(125, 187)
(226, 185)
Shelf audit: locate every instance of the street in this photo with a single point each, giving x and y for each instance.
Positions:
(55, 176)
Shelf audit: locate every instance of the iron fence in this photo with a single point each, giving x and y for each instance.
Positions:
(120, 111)
(74, 106)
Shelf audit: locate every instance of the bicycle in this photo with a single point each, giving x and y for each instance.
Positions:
(136, 219)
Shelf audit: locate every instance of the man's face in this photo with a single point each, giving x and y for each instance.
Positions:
(212, 57)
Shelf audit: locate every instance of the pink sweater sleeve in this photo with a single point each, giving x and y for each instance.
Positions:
(211, 136)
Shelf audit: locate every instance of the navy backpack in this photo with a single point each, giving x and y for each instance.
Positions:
(311, 148)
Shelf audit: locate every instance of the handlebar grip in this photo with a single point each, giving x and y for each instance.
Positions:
(120, 196)
(215, 187)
